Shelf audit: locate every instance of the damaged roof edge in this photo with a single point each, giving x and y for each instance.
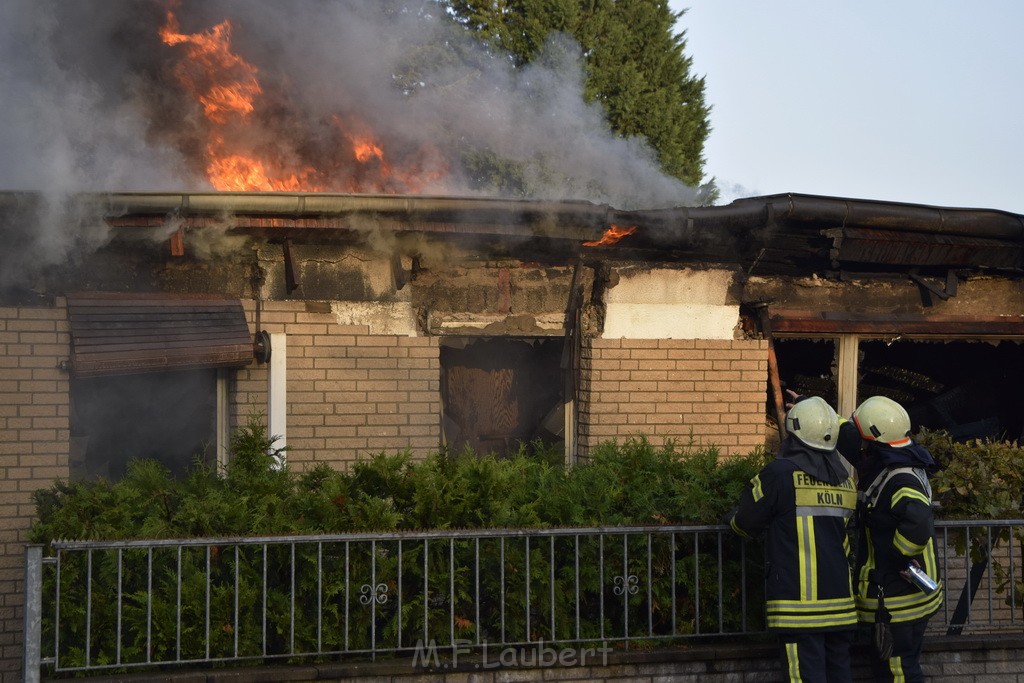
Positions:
(469, 209)
(755, 212)
(741, 215)
(752, 212)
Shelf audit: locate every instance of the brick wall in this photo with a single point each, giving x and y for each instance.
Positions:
(34, 433)
(711, 390)
(945, 660)
(350, 393)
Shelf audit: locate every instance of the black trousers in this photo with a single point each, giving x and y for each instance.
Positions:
(822, 657)
(905, 662)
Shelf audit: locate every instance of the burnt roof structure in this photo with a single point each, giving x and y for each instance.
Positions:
(783, 233)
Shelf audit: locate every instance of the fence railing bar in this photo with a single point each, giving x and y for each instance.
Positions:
(967, 568)
(149, 605)
(400, 595)
(1013, 580)
(439, 534)
(373, 597)
(207, 629)
(988, 593)
(56, 611)
(721, 594)
(88, 608)
(672, 561)
(696, 584)
(348, 591)
(177, 627)
(236, 626)
(263, 609)
(118, 591)
(526, 542)
(576, 575)
(291, 601)
(743, 586)
(426, 593)
(626, 585)
(600, 581)
(945, 570)
(476, 584)
(501, 584)
(551, 584)
(451, 593)
(319, 596)
(650, 590)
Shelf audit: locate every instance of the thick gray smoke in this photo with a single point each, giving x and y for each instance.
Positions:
(91, 100)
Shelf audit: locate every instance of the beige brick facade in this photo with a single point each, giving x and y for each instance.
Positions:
(34, 445)
(710, 392)
(350, 393)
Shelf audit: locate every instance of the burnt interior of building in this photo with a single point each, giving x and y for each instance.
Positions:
(500, 394)
(970, 389)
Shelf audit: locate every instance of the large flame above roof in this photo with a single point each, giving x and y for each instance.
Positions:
(245, 148)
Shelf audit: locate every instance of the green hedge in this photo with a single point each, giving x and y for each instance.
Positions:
(628, 483)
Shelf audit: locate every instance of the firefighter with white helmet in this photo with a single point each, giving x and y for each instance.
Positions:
(802, 500)
(814, 422)
(895, 535)
(883, 420)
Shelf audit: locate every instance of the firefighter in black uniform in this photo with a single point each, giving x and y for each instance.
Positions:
(895, 534)
(803, 499)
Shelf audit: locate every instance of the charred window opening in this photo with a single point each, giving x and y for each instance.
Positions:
(967, 388)
(499, 393)
(970, 389)
(170, 417)
(808, 367)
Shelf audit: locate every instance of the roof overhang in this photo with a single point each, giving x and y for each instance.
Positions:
(788, 233)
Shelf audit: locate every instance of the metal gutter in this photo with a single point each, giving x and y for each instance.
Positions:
(762, 212)
(467, 209)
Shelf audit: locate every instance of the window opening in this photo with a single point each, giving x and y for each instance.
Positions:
(170, 417)
(968, 388)
(499, 393)
(808, 367)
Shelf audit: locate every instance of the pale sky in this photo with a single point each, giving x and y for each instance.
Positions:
(898, 100)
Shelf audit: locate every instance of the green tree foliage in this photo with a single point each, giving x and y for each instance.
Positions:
(635, 62)
(981, 479)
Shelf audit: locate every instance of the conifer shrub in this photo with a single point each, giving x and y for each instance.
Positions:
(983, 479)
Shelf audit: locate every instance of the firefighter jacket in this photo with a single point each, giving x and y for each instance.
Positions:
(896, 526)
(803, 500)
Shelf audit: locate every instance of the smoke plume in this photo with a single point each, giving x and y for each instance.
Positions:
(95, 98)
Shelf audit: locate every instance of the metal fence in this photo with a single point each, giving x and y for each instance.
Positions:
(105, 606)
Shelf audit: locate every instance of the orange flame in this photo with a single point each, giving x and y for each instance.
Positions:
(612, 235)
(244, 151)
(210, 57)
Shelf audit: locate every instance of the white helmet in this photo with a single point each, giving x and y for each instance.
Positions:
(884, 420)
(813, 422)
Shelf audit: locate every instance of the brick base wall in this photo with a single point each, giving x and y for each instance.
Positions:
(710, 391)
(350, 393)
(945, 660)
(34, 436)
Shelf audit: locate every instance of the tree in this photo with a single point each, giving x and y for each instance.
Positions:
(635, 66)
